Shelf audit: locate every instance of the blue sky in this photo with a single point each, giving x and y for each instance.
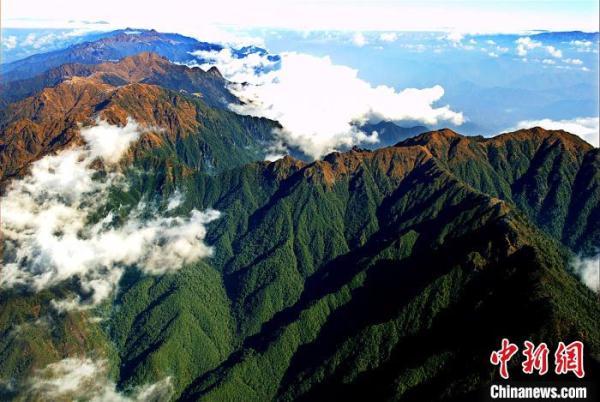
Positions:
(189, 15)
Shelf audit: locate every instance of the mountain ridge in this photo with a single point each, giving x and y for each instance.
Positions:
(49, 120)
(145, 67)
(541, 183)
(386, 274)
(365, 251)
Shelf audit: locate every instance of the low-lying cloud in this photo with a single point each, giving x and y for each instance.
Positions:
(319, 103)
(237, 69)
(74, 378)
(50, 236)
(587, 128)
(588, 270)
(107, 143)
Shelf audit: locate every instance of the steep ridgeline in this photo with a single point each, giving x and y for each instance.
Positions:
(172, 101)
(369, 275)
(552, 176)
(147, 68)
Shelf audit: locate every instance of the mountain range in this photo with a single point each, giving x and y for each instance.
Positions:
(111, 47)
(370, 274)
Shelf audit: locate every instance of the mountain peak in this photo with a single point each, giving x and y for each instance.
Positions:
(444, 133)
(393, 161)
(137, 67)
(570, 142)
(434, 139)
(215, 72)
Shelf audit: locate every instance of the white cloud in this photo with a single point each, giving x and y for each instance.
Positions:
(454, 37)
(581, 43)
(9, 42)
(526, 44)
(235, 69)
(48, 237)
(276, 150)
(548, 61)
(388, 37)
(554, 52)
(318, 102)
(587, 128)
(494, 51)
(29, 40)
(576, 62)
(208, 33)
(108, 143)
(175, 200)
(490, 42)
(76, 378)
(46, 40)
(359, 39)
(588, 270)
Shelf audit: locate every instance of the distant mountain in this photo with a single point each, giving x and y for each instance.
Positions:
(390, 133)
(148, 68)
(567, 36)
(113, 47)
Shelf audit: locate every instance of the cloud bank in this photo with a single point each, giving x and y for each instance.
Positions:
(74, 378)
(319, 103)
(587, 128)
(49, 236)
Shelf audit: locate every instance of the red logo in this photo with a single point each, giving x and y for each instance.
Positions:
(502, 356)
(535, 358)
(567, 358)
